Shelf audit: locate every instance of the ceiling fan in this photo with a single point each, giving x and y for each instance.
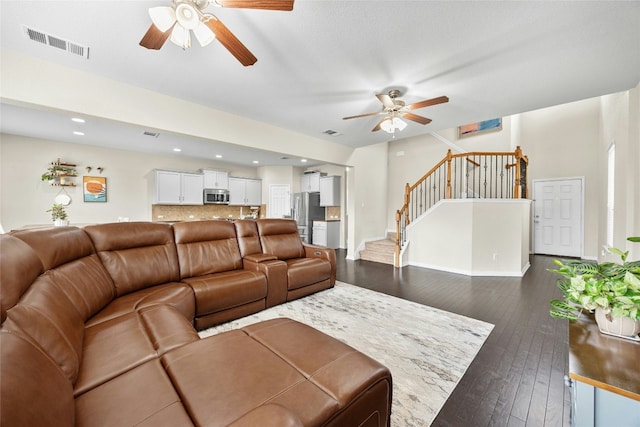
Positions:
(177, 21)
(395, 110)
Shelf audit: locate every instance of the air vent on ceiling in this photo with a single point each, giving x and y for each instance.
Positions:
(332, 132)
(57, 42)
(153, 134)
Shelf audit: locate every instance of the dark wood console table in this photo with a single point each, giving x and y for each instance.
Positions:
(605, 374)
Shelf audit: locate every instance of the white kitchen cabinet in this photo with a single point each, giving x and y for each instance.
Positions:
(216, 179)
(326, 233)
(310, 182)
(178, 188)
(330, 191)
(245, 191)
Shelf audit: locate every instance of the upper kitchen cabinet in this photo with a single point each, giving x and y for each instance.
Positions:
(216, 179)
(178, 188)
(245, 191)
(310, 182)
(330, 191)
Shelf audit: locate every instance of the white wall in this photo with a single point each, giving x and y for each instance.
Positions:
(466, 236)
(620, 117)
(366, 206)
(24, 198)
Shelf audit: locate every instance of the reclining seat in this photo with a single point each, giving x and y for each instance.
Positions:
(142, 261)
(309, 268)
(211, 264)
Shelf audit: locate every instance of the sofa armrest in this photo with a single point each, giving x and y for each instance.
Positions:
(276, 273)
(260, 257)
(313, 251)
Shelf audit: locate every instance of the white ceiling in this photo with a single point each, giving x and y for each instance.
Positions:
(328, 58)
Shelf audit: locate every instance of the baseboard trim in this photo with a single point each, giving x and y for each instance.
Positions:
(473, 273)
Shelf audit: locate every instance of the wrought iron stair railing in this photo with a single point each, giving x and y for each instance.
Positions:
(494, 175)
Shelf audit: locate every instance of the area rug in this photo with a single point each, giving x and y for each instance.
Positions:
(427, 350)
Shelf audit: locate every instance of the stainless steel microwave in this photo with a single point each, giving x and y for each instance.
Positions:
(216, 196)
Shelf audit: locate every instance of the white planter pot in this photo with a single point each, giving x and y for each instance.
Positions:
(60, 222)
(620, 326)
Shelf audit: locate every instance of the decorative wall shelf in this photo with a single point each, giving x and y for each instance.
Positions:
(60, 174)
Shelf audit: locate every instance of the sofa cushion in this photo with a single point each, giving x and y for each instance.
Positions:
(307, 271)
(19, 267)
(222, 291)
(167, 328)
(232, 361)
(52, 322)
(248, 237)
(57, 245)
(112, 348)
(177, 294)
(356, 383)
(143, 396)
(280, 237)
(206, 247)
(33, 389)
(136, 254)
(68, 256)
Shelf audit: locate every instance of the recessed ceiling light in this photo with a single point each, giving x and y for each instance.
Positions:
(78, 133)
(303, 160)
(255, 162)
(218, 156)
(77, 120)
(177, 150)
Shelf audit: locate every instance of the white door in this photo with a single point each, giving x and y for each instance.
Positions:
(557, 217)
(279, 200)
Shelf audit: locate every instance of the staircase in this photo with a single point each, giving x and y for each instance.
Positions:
(380, 250)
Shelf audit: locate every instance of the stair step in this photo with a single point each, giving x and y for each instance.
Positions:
(381, 251)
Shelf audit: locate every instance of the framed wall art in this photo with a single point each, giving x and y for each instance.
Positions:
(473, 129)
(94, 189)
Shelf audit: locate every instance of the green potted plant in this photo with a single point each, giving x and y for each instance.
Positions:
(54, 171)
(610, 289)
(58, 215)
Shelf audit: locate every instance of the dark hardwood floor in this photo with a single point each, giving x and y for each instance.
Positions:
(517, 378)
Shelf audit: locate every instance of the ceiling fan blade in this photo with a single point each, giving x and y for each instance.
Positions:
(386, 100)
(427, 103)
(416, 118)
(231, 42)
(154, 38)
(257, 4)
(363, 115)
(377, 127)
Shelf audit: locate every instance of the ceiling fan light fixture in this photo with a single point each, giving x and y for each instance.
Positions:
(204, 34)
(187, 15)
(391, 124)
(162, 17)
(181, 36)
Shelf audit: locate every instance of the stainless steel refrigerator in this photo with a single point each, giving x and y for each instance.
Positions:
(305, 207)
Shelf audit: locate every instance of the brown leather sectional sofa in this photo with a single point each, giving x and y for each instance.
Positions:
(99, 328)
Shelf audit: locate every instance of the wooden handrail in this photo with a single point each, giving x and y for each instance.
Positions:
(403, 215)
